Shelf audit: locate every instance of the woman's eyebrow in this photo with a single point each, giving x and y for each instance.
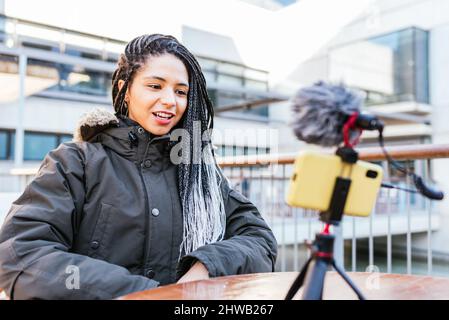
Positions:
(163, 80)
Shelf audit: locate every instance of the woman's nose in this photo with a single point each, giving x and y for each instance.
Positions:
(168, 98)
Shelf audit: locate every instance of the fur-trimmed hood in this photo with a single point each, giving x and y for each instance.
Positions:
(121, 134)
(94, 122)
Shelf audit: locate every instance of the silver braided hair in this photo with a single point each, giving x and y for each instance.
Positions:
(199, 181)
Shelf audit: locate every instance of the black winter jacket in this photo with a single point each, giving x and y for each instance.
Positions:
(103, 218)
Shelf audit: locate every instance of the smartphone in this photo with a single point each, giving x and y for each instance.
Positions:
(313, 180)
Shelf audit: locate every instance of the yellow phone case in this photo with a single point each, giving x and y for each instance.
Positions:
(312, 183)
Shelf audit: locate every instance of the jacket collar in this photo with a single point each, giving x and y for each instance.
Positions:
(120, 134)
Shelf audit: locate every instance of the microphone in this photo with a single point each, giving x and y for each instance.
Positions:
(327, 115)
(321, 111)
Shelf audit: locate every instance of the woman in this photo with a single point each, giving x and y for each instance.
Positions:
(126, 206)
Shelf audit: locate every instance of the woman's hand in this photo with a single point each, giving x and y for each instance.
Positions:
(197, 272)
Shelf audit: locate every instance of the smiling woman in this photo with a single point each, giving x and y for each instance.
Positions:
(111, 213)
(157, 96)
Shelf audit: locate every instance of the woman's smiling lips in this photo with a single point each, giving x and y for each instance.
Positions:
(163, 117)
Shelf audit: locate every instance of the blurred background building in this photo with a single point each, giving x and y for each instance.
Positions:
(57, 57)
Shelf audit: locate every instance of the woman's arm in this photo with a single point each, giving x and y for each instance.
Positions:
(38, 234)
(249, 245)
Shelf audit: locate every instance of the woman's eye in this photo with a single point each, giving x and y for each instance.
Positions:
(181, 92)
(154, 86)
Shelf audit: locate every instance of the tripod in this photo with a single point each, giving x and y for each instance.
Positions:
(322, 257)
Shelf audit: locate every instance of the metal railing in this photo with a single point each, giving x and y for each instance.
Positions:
(398, 217)
(384, 239)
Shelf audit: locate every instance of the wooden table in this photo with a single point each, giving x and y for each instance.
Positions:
(274, 286)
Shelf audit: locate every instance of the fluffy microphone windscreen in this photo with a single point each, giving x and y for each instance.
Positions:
(321, 110)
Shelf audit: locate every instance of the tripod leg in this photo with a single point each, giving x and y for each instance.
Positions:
(298, 281)
(314, 282)
(348, 281)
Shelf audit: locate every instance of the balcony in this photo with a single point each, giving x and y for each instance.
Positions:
(382, 241)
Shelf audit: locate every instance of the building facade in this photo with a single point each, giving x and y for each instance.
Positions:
(56, 61)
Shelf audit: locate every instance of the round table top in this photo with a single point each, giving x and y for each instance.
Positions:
(274, 286)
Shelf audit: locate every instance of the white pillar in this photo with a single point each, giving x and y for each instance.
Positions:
(439, 78)
(19, 142)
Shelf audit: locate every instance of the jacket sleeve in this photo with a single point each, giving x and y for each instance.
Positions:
(249, 245)
(38, 233)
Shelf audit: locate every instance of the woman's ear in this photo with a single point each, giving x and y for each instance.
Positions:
(120, 86)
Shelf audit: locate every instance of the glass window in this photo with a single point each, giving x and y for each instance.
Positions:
(223, 99)
(40, 46)
(13, 145)
(37, 145)
(35, 33)
(256, 75)
(252, 150)
(209, 76)
(76, 41)
(229, 80)
(113, 59)
(9, 68)
(258, 111)
(231, 69)
(207, 64)
(3, 145)
(256, 85)
(239, 151)
(79, 52)
(218, 150)
(234, 76)
(229, 151)
(50, 76)
(65, 138)
(2, 29)
(389, 68)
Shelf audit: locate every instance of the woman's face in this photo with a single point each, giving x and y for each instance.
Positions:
(157, 97)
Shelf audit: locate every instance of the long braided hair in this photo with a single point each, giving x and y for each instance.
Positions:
(204, 217)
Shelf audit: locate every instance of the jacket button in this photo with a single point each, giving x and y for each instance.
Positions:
(94, 245)
(147, 163)
(140, 130)
(155, 212)
(150, 273)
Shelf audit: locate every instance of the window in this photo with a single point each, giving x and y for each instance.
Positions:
(6, 144)
(37, 145)
(65, 138)
(83, 53)
(234, 76)
(389, 68)
(2, 29)
(256, 85)
(229, 151)
(9, 69)
(3, 145)
(229, 80)
(40, 46)
(50, 76)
